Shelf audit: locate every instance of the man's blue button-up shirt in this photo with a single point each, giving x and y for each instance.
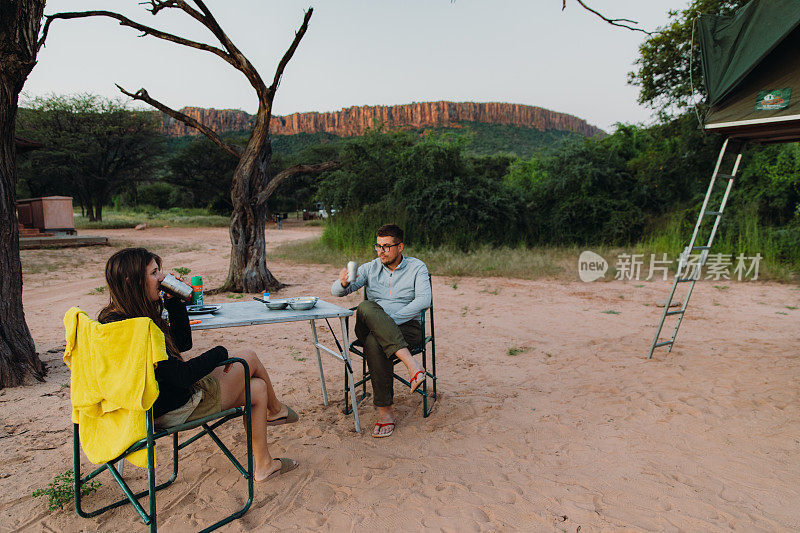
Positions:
(402, 292)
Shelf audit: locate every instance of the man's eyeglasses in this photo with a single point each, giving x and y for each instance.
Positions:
(384, 247)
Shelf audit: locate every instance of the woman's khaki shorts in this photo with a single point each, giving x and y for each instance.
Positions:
(212, 398)
(206, 400)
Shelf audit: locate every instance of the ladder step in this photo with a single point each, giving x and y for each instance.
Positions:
(701, 247)
(684, 280)
(713, 213)
(662, 344)
(679, 312)
(725, 176)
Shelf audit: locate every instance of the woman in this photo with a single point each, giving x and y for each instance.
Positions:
(193, 388)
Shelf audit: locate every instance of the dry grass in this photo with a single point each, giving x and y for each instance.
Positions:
(47, 260)
(559, 263)
(65, 260)
(521, 263)
(128, 218)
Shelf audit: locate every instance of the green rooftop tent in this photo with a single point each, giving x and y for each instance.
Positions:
(751, 69)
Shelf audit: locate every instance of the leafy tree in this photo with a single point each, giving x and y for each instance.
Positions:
(669, 163)
(92, 146)
(204, 171)
(586, 195)
(450, 198)
(667, 82)
(299, 193)
(370, 166)
(770, 181)
(432, 187)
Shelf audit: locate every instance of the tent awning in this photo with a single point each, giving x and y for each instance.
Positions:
(752, 71)
(733, 45)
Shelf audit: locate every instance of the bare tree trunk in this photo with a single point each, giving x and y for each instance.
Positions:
(18, 34)
(248, 270)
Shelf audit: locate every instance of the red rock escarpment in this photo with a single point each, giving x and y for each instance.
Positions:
(352, 121)
(219, 120)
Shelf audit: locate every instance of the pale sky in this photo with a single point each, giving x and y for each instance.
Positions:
(368, 52)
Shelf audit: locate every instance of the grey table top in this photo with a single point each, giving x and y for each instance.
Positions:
(252, 313)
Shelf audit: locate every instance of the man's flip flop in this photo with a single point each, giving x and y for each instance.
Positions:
(290, 418)
(287, 465)
(420, 382)
(380, 426)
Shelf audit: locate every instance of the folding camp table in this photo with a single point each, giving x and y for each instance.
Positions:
(255, 313)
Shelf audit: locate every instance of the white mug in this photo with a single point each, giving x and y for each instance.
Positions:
(352, 271)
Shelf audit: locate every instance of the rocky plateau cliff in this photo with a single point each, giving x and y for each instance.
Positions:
(353, 121)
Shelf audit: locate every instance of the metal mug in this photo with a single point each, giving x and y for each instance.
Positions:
(352, 271)
(176, 287)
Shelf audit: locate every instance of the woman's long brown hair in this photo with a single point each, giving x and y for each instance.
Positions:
(127, 292)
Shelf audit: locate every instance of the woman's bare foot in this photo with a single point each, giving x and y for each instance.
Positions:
(281, 413)
(276, 467)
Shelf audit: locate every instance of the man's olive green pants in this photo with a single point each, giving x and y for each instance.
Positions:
(381, 338)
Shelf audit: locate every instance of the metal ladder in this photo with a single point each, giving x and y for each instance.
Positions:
(735, 148)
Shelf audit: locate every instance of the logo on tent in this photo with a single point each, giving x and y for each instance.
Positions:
(773, 99)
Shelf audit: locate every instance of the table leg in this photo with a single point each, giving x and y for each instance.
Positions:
(319, 363)
(349, 372)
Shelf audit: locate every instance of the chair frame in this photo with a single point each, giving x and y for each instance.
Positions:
(148, 443)
(357, 348)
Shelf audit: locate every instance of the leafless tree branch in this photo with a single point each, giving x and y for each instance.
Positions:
(614, 22)
(146, 30)
(293, 171)
(158, 5)
(211, 23)
(290, 52)
(206, 18)
(142, 95)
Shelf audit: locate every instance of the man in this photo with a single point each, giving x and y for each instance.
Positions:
(398, 288)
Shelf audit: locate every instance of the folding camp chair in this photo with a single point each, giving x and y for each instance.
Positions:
(149, 443)
(357, 348)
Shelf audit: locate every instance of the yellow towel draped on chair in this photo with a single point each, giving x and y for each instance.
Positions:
(112, 382)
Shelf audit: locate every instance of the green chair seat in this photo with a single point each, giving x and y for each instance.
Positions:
(427, 392)
(207, 424)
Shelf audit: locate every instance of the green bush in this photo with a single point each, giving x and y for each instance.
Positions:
(60, 491)
(158, 195)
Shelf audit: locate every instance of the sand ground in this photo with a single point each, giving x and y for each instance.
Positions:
(577, 430)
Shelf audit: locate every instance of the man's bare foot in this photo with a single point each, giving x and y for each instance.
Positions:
(416, 374)
(385, 424)
(417, 378)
